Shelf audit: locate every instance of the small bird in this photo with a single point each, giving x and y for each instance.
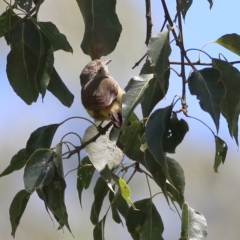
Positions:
(101, 94)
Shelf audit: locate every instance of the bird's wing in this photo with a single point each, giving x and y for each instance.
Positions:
(99, 93)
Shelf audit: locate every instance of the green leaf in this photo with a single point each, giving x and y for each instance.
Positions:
(155, 132)
(25, 4)
(207, 85)
(103, 154)
(98, 231)
(178, 180)
(184, 6)
(30, 62)
(57, 158)
(84, 177)
(154, 93)
(41, 138)
(17, 209)
(156, 171)
(133, 96)
(57, 39)
(130, 141)
(146, 223)
(230, 104)
(53, 197)
(17, 162)
(121, 205)
(230, 42)
(194, 225)
(8, 20)
(100, 191)
(57, 87)
(115, 214)
(102, 27)
(221, 152)
(39, 169)
(175, 134)
(158, 53)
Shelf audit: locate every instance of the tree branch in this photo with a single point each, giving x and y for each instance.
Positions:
(149, 21)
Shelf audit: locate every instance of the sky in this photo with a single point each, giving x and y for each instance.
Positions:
(214, 195)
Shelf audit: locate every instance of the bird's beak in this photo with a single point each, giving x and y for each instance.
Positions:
(108, 61)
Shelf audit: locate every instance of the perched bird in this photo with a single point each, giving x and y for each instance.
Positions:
(101, 94)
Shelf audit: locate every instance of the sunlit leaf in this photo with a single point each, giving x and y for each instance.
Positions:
(57, 87)
(39, 169)
(98, 231)
(175, 134)
(221, 152)
(194, 225)
(100, 191)
(41, 138)
(155, 132)
(102, 27)
(85, 174)
(17, 209)
(146, 223)
(57, 39)
(230, 104)
(231, 42)
(17, 162)
(103, 154)
(130, 141)
(158, 52)
(184, 6)
(207, 85)
(154, 93)
(134, 95)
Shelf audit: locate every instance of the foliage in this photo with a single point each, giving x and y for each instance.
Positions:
(30, 70)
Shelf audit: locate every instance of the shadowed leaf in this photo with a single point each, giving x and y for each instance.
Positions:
(25, 4)
(211, 3)
(115, 214)
(207, 85)
(121, 205)
(102, 27)
(17, 209)
(221, 152)
(98, 231)
(17, 162)
(184, 6)
(230, 104)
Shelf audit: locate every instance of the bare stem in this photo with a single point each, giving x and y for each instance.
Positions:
(149, 21)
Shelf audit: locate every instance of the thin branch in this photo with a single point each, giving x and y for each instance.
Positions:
(149, 21)
(137, 63)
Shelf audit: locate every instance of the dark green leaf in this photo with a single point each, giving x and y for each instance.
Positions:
(231, 42)
(121, 205)
(98, 231)
(41, 138)
(17, 162)
(130, 141)
(8, 20)
(158, 52)
(25, 4)
(211, 3)
(178, 180)
(57, 39)
(156, 171)
(154, 93)
(155, 132)
(207, 85)
(57, 87)
(39, 169)
(53, 196)
(57, 158)
(184, 6)
(102, 27)
(17, 208)
(100, 191)
(230, 104)
(115, 214)
(194, 225)
(103, 154)
(133, 96)
(175, 134)
(221, 152)
(85, 174)
(146, 223)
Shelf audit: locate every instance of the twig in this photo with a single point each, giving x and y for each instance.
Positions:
(149, 21)
(137, 63)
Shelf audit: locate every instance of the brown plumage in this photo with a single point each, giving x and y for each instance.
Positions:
(101, 94)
